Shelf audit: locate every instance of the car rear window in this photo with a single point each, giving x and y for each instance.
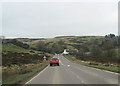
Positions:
(54, 59)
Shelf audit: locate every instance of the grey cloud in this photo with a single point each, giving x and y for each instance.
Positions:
(52, 19)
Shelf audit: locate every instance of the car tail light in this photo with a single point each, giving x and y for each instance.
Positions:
(57, 60)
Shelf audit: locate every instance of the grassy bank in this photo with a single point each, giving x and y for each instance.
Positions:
(108, 68)
(18, 78)
(13, 48)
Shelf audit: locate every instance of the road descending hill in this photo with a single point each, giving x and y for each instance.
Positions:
(72, 73)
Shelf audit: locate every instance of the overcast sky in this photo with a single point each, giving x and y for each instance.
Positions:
(51, 19)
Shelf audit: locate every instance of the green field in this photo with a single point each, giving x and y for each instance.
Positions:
(13, 48)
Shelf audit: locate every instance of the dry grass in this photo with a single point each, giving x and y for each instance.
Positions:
(15, 69)
(19, 77)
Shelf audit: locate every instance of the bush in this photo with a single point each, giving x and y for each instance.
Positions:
(21, 58)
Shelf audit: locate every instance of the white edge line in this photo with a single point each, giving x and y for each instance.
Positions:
(98, 69)
(67, 59)
(101, 70)
(36, 75)
(61, 62)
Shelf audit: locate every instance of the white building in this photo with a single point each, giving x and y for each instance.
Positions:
(65, 52)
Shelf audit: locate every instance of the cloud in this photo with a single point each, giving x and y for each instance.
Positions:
(59, 0)
(46, 19)
(0, 19)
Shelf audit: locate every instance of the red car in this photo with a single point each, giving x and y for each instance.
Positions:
(54, 61)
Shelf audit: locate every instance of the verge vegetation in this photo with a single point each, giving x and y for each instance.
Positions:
(20, 63)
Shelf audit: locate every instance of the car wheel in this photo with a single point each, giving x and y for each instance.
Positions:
(58, 64)
(50, 64)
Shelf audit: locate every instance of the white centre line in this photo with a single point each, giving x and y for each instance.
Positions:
(60, 62)
(68, 65)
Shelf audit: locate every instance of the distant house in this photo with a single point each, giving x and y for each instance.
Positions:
(65, 52)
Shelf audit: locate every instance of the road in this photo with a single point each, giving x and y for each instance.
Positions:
(73, 73)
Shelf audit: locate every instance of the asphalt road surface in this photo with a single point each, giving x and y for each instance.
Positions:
(72, 73)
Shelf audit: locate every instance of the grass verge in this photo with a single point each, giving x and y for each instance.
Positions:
(18, 78)
(108, 68)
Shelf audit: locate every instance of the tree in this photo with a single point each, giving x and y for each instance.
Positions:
(61, 42)
(41, 46)
(112, 35)
(56, 48)
(80, 54)
(106, 45)
(96, 51)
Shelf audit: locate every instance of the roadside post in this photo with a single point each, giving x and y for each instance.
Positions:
(44, 58)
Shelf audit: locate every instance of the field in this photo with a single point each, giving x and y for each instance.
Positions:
(13, 48)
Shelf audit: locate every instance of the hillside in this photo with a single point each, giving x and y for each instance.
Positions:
(19, 53)
(13, 48)
(92, 48)
(20, 62)
(69, 41)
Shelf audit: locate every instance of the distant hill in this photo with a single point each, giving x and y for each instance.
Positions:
(69, 41)
(63, 36)
(95, 46)
(13, 48)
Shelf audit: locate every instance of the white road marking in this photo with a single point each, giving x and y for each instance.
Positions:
(36, 75)
(109, 71)
(67, 59)
(97, 69)
(83, 82)
(101, 70)
(60, 62)
(68, 65)
(55, 77)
